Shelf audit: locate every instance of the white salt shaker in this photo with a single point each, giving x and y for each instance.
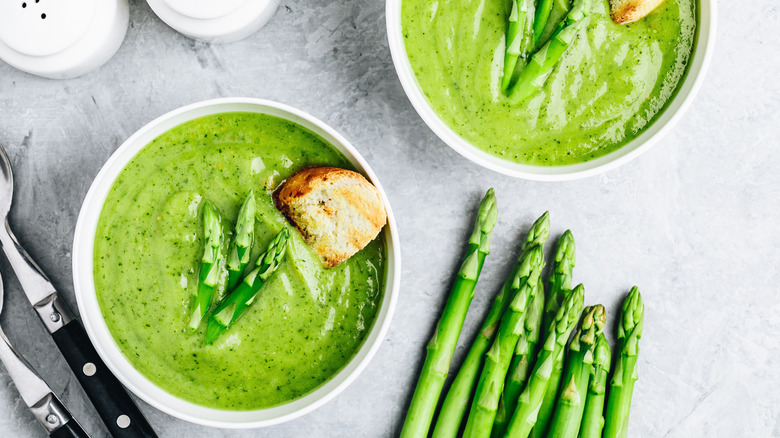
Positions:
(215, 21)
(61, 39)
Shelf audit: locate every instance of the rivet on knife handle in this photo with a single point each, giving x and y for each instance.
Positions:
(117, 410)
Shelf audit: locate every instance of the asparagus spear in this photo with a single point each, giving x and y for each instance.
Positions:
(557, 13)
(540, 19)
(241, 248)
(542, 63)
(621, 387)
(593, 417)
(560, 278)
(560, 286)
(457, 400)
(538, 233)
(442, 346)
(571, 401)
(233, 305)
(524, 417)
(208, 278)
(519, 37)
(499, 357)
(519, 370)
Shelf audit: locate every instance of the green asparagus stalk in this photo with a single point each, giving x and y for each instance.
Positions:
(457, 401)
(593, 417)
(542, 63)
(519, 37)
(499, 357)
(542, 14)
(567, 418)
(621, 387)
(241, 248)
(557, 13)
(442, 346)
(208, 278)
(530, 400)
(522, 362)
(234, 304)
(538, 233)
(560, 278)
(560, 285)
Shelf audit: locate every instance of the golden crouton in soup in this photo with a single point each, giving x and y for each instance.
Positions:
(337, 211)
(626, 11)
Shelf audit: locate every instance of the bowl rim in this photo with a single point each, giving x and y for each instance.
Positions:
(674, 110)
(91, 316)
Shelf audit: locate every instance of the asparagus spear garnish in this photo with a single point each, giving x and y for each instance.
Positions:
(522, 362)
(542, 14)
(621, 386)
(442, 346)
(208, 278)
(499, 357)
(524, 417)
(556, 12)
(233, 305)
(567, 418)
(560, 285)
(241, 248)
(519, 37)
(542, 63)
(593, 417)
(457, 401)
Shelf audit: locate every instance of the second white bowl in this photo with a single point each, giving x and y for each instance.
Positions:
(700, 59)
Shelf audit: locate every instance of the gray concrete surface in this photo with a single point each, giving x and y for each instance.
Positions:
(693, 222)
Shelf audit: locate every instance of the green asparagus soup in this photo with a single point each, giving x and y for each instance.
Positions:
(305, 323)
(609, 86)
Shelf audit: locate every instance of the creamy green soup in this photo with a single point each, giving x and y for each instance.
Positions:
(306, 322)
(610, 85)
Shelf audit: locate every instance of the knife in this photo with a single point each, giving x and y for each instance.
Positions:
(110, 399)
(45, 406)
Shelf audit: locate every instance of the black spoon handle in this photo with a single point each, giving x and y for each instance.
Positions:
(112, 402)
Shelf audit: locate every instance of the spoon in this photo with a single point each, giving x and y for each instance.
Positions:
(45, 406)
(111, 401)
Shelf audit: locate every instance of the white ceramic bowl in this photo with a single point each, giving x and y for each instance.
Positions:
(698, 65)
(96, 326)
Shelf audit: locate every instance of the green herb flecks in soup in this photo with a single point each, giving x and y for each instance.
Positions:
(611, 83)
(305, 323)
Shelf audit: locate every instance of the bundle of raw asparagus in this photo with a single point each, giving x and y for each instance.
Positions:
(522, 377)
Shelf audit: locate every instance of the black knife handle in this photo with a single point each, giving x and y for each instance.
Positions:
(71, 429)
(111, 400)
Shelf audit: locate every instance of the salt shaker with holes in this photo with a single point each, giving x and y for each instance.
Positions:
(61, 39)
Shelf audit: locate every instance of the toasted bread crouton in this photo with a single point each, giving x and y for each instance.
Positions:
(626, 11)
(337, 211)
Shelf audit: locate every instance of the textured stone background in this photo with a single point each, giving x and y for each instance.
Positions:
(693, 222)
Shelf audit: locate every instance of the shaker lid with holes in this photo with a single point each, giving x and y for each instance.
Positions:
(61, 38)
(215, 21)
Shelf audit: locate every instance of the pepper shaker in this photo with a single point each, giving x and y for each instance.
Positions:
(212, 21)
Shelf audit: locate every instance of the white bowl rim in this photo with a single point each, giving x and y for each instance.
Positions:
(105, 344)
(671, 114)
